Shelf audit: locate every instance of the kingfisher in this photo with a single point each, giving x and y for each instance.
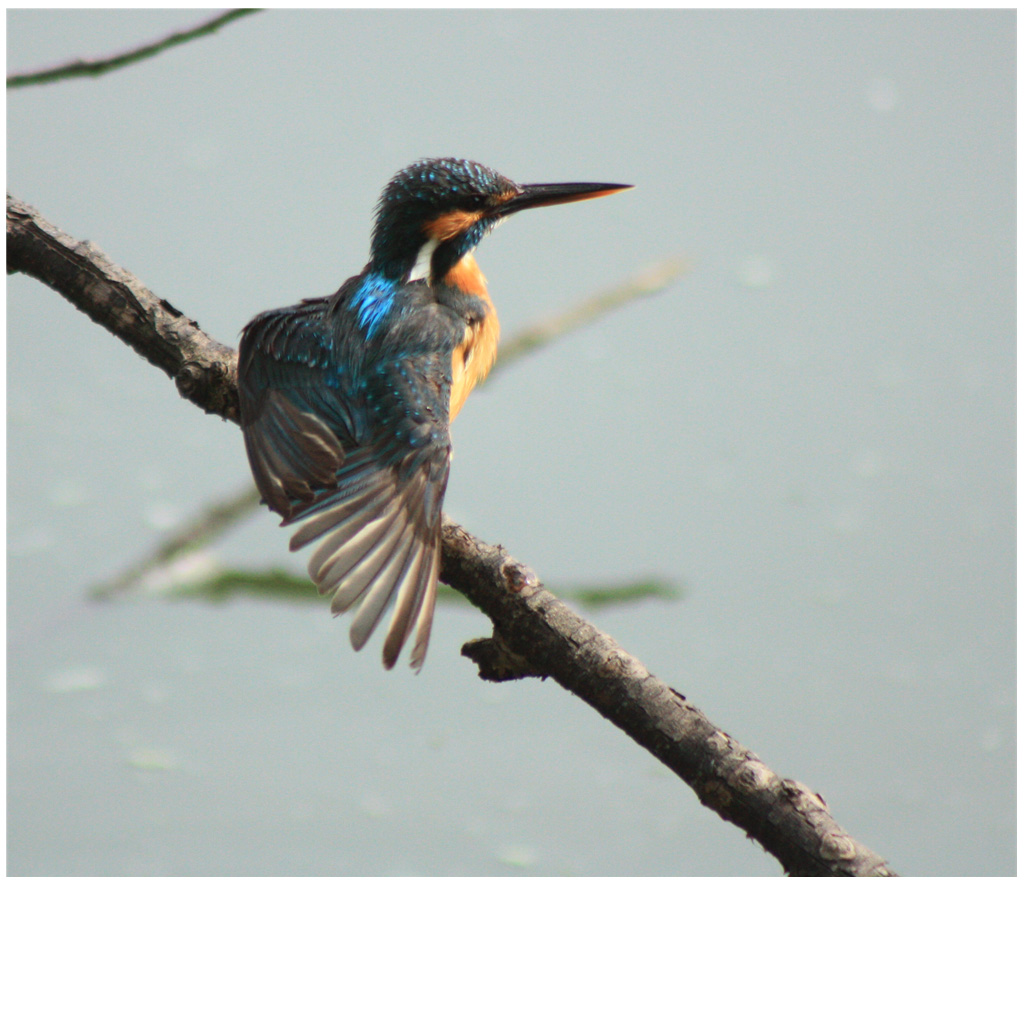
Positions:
(347, 401)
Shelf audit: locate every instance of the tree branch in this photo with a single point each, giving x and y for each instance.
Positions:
(92, 68)
(203, 370)
(534, 632)
(647, 282)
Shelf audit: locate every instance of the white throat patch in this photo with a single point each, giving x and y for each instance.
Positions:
(421, 268)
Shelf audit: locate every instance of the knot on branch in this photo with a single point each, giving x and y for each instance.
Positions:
(519, 578)
(496, 661)
(210, 386)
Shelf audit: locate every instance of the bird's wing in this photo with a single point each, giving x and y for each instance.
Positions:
(356, 451)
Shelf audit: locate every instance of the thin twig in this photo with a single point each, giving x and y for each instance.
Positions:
(100, 66)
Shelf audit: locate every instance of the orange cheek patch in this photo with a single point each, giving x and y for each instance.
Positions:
(448, 225)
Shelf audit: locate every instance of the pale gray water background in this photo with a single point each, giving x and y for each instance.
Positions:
(813, 433)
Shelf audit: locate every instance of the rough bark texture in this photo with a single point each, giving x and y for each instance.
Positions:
(203, 370)
(534, 632)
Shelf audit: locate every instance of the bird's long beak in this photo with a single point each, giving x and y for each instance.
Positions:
(551, 195)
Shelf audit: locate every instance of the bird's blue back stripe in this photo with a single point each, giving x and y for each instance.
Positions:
(372, 300)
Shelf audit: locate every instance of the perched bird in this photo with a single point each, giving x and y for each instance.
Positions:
(346, 400)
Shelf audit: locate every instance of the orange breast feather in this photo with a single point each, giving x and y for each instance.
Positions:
(474, 356)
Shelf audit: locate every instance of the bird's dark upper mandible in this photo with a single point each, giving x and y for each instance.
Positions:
(346, 401)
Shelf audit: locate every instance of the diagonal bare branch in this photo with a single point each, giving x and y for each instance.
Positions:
(647, 282)
(537, 634)
(534, 632)
(117, 300)
(198, 532)
(100, 66)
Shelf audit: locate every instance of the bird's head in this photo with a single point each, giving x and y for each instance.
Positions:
(434, 212)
